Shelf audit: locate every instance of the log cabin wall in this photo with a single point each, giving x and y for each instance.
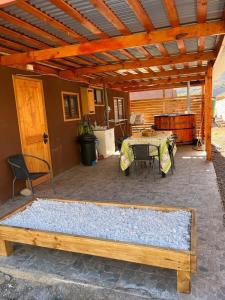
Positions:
(151, 107)
(65, 152)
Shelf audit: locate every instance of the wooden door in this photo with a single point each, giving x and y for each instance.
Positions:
(32, 122)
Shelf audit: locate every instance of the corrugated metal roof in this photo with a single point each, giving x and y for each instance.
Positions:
(210, 42)
(62, 17)
(136, 53)
(191, 45)
(215, 9)
(171, 47)
(156, 12)
(153, 50)
(23, 15)
(125, 14)
(26, 32)
(187, 11)
(90, 12)
(119, 55)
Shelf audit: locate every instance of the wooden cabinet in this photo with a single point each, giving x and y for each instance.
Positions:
(87, 100)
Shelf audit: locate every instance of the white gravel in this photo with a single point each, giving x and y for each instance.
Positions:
(140, 226)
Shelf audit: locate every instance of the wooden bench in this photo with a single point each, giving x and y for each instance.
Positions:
(184, 262)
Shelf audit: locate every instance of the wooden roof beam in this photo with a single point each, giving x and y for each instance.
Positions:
(157, 61)
(105, 10)
(172, 14)
(201, 18)
(161, 81)
(138, 39)
(146, 22)
(185, 71)
(160, 87)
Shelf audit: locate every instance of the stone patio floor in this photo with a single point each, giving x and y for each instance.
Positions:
(38, 273)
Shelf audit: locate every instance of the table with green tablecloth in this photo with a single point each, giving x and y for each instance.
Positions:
(127, 157)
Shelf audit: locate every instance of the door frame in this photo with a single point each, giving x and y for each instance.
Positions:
(14, 77)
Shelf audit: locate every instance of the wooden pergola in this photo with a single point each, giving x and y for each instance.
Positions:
(129, 45)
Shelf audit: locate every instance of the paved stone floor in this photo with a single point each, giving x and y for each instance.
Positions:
(38, 273)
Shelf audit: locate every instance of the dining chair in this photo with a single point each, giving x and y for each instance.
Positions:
(146, 153)
(21, 172)
(171, 144)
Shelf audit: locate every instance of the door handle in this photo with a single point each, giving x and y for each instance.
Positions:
(45, 138)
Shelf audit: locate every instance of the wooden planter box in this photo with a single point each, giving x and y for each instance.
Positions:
(184, 262)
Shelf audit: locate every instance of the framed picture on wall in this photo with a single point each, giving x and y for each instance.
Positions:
(71, 106)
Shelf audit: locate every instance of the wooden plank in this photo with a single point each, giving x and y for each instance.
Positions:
(172, 259)
(150, 255)
(201, 10)
(6, 248)
(159, 61)
(183, 281)
(171, 12)
(110, 16)
(132, 40)
(208, 111)
(141, 14)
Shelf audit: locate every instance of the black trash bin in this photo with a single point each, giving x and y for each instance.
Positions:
(88, 149)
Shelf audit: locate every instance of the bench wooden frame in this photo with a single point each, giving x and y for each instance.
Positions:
(184, 262)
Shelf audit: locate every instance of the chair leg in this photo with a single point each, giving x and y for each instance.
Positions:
(13, 188)
(51, 182)
(31, 187)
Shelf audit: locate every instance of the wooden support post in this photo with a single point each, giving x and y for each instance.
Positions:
(208, 111)
(203, 113)
(6, 248)
(183, 281)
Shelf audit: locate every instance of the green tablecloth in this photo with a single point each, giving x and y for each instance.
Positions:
(126, 154)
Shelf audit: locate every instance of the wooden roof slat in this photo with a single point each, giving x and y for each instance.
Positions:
(105, 10)
(201, 18)
(33, 29)
(201, 10)
(171, 11)
(49, 20)
(75, 14)
(145, 20)
(172, 14)
(141, 14)
(129, 41)
(185, 71)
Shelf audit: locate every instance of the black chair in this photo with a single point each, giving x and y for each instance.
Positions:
(21, 172)
(146, 153)
(171, 144)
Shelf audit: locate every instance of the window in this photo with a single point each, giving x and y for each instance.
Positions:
(98, 96)
(118, 109)
(71, 106)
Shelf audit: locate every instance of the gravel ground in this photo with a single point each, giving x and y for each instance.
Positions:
(139, 226)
